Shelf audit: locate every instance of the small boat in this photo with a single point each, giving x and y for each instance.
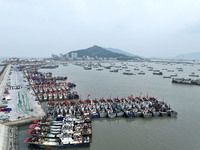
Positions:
(162, 113)
(111, 115)
(87, 68)
(141, 73)
(115, 70)
(120, 113)
(146, 114)
(129, 113)
(128, 73)
(103, 114)
(167, 76)
(157, 73)
(172, 114)
(94, 113)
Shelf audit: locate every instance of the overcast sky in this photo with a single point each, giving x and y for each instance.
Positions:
(143, 27)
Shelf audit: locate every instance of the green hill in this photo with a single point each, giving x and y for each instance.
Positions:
(97, 51)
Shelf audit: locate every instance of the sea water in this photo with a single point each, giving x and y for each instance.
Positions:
(156, 133)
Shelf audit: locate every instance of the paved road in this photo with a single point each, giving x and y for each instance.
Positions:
(3, 74)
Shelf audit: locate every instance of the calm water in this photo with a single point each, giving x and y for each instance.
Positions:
(181, 133)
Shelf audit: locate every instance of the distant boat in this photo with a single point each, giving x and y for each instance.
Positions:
(193, 75)
(115, 70)
(166, 76)
(49, 66)
(128, 73)
(99, 69)
(141, 73)
(157, 73)
(87, 68)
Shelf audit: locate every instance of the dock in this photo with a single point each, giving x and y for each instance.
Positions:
(8, 137)
(18, 97)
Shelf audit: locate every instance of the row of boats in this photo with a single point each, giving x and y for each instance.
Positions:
(68, 124)
(186, 81)
(60, 132)
(129, 107)
(58, 96)
(48, 88)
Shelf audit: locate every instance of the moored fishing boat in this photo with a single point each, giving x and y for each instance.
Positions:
(172, 113)
(120, 113)
(146, 113)
(129, 113)
(102, 113)
(111, 114)
(64, 143)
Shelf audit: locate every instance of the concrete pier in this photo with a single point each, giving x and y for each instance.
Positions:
(22, 121)
(8, 137)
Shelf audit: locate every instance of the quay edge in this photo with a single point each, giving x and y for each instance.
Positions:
(22, 121)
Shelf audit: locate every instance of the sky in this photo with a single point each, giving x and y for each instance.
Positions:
(148, 28)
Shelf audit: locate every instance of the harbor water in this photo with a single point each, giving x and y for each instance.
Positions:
(157, 133)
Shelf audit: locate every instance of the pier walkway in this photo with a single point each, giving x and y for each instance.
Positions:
(8, 137)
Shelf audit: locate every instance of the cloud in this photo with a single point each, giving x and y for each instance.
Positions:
(145, 26)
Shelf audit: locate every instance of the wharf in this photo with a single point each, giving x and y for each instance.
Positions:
(8, 137)
(18, 97)
(22, 121)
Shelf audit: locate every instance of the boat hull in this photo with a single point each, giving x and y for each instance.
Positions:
(146, 115)
(137, 114)
(95, 116)
(60, 146)
(173, 114)
(129, 115)
(103, 115)
(120, 114)
(111, 115)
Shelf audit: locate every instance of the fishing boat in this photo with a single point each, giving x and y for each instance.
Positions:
(128, 73)
(110, 111)
(114, 70)
(65, 142)
(157, 73)
(102, 112)
(172, 113)
(146, 113)
(111, 114)
(141, 73)
(119, 112)
(129, 113)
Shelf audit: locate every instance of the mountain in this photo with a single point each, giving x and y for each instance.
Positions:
(97, 51)
(194, 55)
(121, 52)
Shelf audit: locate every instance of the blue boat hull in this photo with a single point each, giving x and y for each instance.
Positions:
(96, 116)
(129, 115)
